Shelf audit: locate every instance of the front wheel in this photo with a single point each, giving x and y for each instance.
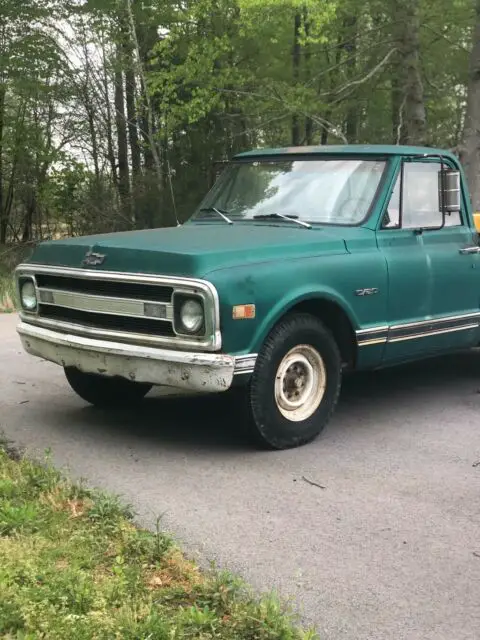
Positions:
(105, 392)
(296, 383)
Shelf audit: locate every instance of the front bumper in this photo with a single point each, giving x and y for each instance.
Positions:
(178, 369)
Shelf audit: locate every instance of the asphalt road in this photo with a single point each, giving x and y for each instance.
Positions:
(389, 549)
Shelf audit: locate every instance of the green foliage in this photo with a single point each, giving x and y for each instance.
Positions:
(209, 78)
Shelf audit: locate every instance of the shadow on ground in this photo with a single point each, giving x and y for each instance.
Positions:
(214, 422)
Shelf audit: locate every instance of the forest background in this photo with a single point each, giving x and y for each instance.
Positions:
(118, 114)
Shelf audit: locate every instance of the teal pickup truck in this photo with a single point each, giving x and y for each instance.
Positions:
(300, 263)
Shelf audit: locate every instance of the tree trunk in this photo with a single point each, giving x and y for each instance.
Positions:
(88, 103)
(296, 75)
(409, 97)
(151, 207)
(8, 197)
(326, 127)
(398, 129)
(140, 71)
(308, 74)
(147, 135)
(470, 149)
(350, 46)
(28, 221)
(147, 37)
(93, 138)
(132, 121)
(122, 144)
(3, 215)
(135, 153)
(109, 121)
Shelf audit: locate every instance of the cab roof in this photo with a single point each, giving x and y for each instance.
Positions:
(348, 149)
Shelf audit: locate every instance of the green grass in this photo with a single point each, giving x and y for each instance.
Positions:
(73, 565)
(8, 294)
(10, 257)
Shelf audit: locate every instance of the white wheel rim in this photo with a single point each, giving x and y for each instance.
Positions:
(300, 383)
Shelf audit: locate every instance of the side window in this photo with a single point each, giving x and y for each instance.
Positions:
(421, 204)
(420, 199)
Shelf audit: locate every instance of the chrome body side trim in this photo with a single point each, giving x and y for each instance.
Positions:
(436, 321)
(367, 343)
(416, 330)
(365, 332)
(375, 335)
(437, 332)
(245, 364)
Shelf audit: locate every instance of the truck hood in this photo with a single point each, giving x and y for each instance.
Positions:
(193, 249)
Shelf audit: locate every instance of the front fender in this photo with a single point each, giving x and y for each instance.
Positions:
(290, 300)
(276, 287)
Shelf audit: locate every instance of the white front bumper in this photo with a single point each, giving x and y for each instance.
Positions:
(181, 370)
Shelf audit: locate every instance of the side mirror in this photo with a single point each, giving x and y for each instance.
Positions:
(449, 190)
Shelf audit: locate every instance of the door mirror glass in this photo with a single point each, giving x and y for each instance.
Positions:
(449, 189)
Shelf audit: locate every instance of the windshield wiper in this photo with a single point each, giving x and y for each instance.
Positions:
(267, 216)
(218, 212)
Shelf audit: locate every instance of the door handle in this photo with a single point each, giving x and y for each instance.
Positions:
(469, 250)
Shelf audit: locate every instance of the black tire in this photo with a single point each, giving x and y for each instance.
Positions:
(269, 425)
(105, 392)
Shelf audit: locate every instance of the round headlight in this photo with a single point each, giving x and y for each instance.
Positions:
(191, 315)
(28, 296)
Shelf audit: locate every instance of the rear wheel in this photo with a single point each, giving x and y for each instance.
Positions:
(296, 383)
(108, 393)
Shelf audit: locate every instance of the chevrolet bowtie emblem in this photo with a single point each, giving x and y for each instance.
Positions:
(92, 259)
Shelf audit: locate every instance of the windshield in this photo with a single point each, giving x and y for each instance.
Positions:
(325, 191)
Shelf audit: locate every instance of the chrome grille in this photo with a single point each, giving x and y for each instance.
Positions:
(108, 288)
(110, 322)
(105, 304)
(134, 308)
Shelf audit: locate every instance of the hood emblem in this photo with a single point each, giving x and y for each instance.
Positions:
(92, 259)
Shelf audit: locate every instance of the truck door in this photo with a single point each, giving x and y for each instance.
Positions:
(434, 275)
